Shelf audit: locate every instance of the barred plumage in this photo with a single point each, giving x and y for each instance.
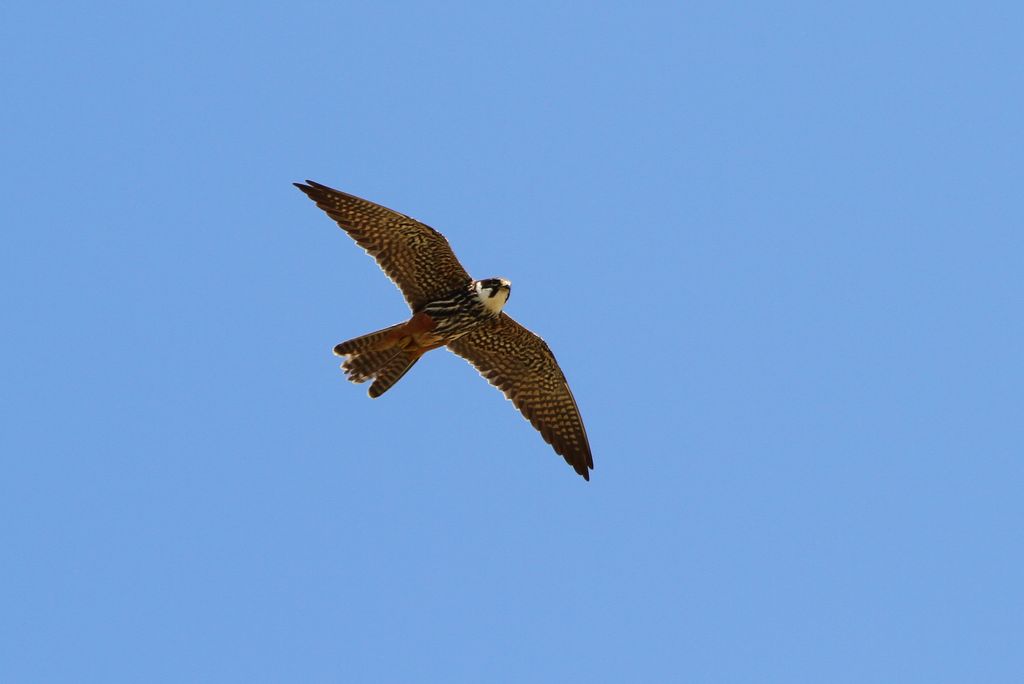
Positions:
(415, 256)
(392, 372)
(521, 365)
(458, 313)
(449, 308)
(363, 366)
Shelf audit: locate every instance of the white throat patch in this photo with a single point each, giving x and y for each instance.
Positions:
(494, 304)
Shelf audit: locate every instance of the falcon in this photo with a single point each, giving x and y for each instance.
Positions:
(451, 309)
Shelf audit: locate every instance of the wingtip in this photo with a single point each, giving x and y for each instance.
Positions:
(309, 186)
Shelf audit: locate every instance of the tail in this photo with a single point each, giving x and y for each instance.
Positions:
(375, 341)
(387, 376)
(376, 356)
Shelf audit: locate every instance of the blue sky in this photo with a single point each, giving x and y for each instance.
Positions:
(777, 249)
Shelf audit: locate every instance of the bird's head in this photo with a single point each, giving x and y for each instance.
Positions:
(493, 292)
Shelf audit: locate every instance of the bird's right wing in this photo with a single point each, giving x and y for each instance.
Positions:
(521, 365)
(417, 258)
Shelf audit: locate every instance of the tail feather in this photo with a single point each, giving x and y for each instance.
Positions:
(360, 367)
(377, 356)
(392, 372)
(375, 341)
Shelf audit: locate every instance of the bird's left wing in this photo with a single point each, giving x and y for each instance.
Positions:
(417, 258)
(521, 365)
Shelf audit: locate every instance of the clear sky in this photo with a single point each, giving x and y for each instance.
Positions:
(776, 247)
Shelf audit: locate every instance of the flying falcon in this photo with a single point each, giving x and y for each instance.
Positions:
(451, 309)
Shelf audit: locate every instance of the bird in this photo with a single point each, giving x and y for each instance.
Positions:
(451, 309)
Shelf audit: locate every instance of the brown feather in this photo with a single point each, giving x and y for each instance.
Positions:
(393, 372)
(521, 365)
(416, 257)
(374, 341)
(362, 366)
